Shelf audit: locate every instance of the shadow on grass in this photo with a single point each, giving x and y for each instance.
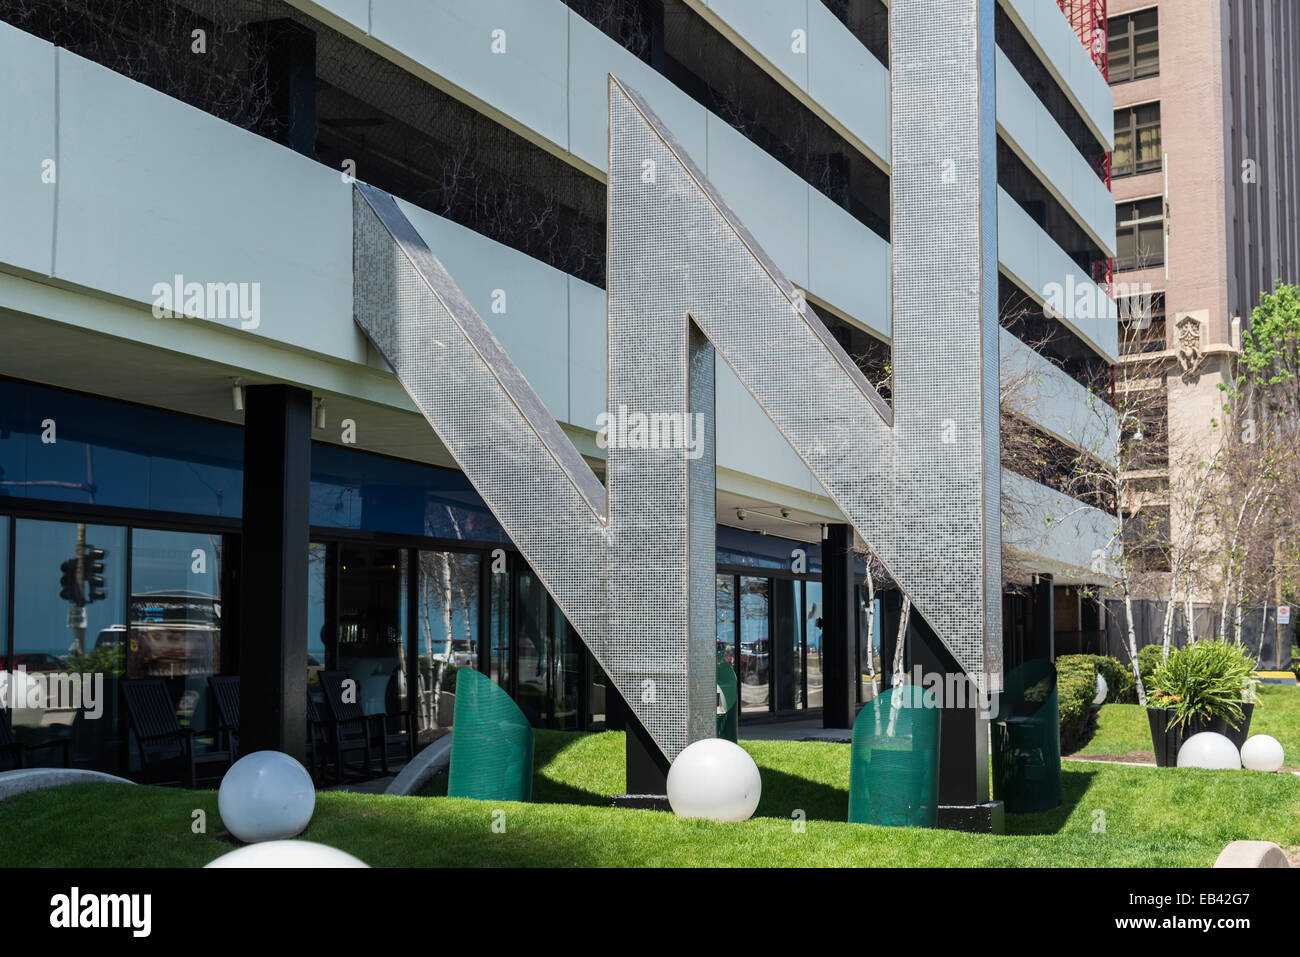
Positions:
(1074, 785)
(546, 790)
(785, 793)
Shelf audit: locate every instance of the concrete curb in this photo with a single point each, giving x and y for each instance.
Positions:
(13, 783)
(1252, 854)
(422, 767)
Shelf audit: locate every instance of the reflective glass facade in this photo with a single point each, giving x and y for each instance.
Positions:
(410, 579)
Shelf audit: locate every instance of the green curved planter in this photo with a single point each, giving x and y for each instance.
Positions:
(728, 723)
(1027, 740)
(894, 765)
(491, 744)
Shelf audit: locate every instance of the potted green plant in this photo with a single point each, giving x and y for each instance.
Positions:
(1205, 686)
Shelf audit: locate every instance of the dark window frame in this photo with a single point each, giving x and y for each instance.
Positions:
(1124, 28)
(1135, 222)
(1126, 121)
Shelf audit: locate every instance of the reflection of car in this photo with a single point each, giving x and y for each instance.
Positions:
(33, 661)
(753, 661)
(111, 637)
(461, 654)
(174, 634)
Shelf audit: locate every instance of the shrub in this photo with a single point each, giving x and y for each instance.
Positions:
(1120, 686)
(1149, 659)
(1076, 686)
(1207, 680)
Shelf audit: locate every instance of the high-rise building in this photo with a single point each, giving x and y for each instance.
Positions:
(1204, 174)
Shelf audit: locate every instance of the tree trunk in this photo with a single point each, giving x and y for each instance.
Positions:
(895, 702)
(871, 629)
(1132, 643)
(445, 569)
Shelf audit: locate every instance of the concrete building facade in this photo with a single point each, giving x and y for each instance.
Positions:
(176, 260)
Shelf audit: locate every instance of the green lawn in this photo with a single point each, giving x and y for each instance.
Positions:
(1122, 728)
(1168, 817)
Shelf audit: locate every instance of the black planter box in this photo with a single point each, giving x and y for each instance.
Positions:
(1166, 743)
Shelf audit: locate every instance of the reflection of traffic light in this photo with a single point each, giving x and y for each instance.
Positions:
(95, 573)
(68, 583)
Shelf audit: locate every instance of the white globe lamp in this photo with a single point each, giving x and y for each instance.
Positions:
(1102, 690)
(1209, 750)
(287, 854)
(266, 796)
(1262, 752)
(716, 780)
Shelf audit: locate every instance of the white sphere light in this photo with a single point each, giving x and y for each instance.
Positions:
(287, 854)
(1262, 752)
(266, 796)
(1102, 690)
(1209, 750)
(716, 780)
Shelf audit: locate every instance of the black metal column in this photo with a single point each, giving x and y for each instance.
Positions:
(273, 589)
(964, 799)
(839, 669)
(647, 768)
(1042, 637)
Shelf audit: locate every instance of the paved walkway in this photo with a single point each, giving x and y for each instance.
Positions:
(809, 729)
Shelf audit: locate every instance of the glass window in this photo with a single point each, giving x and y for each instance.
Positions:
(54, 635)
(1139, 238)
(726, 599)
(755, 638)
(86, 451)
(1134, 46)
(813, 642)
(566, 674)
(788, 645)
(199, 470)
(175, 619)
(4, 592)
(351, 489)
(67, 447)
(371, 630)
(1138, 146)
(317, 624)
(532, 648)
(1142, 324)
(499, 636)
(447, 606)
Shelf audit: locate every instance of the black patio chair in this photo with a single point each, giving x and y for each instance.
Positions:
(387, 741)
(225, 692)
(316, 740)
(14, 751)
(162, 742)
(347, 724)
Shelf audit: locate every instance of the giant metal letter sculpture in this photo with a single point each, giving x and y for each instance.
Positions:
(632, 566)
